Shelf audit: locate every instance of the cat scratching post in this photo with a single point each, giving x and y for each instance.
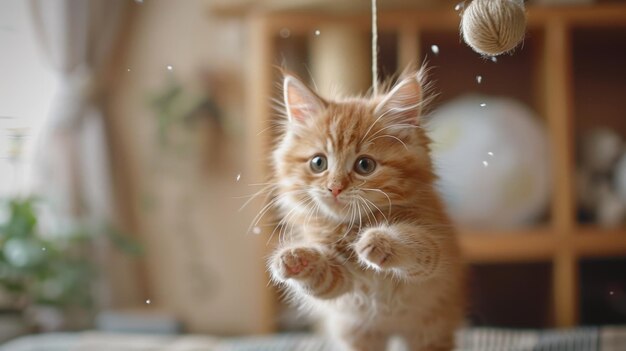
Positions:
(340, 61)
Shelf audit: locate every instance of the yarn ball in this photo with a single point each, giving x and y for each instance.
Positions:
(493, 27)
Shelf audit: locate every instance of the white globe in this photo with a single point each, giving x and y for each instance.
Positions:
(493, 160)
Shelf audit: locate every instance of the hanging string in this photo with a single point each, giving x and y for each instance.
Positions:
(374, 49)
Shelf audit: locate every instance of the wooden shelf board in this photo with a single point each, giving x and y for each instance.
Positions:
(511, 246)
(299, 22)
(581, 15)
(600, 242)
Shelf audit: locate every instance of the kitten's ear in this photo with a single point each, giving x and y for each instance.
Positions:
(300, 102)
(403, 103)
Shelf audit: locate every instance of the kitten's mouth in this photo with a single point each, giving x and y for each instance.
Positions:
(336, 207)
(340, 200)
(337, 203)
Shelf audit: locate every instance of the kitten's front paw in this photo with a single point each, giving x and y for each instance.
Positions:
(374, 248)
(297, 263)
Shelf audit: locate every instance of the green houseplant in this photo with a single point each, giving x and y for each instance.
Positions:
(39, 270)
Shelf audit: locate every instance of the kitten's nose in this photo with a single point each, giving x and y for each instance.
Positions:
(336, 190)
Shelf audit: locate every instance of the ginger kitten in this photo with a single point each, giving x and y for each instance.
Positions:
(366, 243)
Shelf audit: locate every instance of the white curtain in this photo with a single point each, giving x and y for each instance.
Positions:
(71, 162)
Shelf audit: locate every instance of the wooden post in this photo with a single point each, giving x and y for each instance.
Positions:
(340, 60)
(558, 105)
(258, 85)
(408, 46)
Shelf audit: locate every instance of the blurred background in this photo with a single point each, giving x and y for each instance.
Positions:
(133, 131)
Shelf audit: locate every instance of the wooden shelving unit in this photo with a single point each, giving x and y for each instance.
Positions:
(545, 80)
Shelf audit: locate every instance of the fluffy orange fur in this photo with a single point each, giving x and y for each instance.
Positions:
(365, 241)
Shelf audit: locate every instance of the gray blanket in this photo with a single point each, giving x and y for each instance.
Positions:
(472, 339)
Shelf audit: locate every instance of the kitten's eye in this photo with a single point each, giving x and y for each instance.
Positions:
(365, 166)
(318, 164)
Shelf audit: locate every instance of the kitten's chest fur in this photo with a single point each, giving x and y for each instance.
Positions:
(340, 238)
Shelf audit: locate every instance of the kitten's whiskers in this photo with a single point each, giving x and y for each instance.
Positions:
(270, 205)
(372, 126)
(382, 192)
(284, 221)
(402, 125)
(310, 214)
(368, 211)
(359, 212)
(266, 189)
(377, 208)
(390, 136)
(352, 220)
(293, 223)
